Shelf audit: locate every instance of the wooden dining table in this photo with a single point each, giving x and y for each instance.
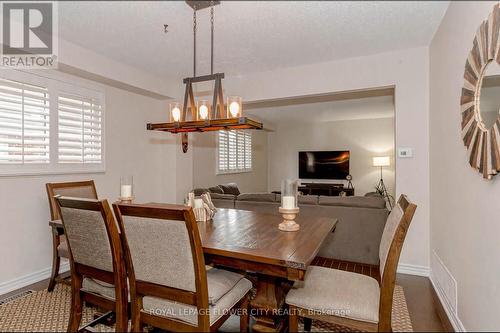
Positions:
(251, 242)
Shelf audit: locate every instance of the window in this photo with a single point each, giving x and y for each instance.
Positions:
(47, 126)
(234, 151)
(24, 123)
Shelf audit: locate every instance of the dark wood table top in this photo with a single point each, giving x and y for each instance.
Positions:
(255, 237)
(251, 240)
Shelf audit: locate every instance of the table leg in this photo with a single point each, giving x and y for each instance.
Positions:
(268, 306)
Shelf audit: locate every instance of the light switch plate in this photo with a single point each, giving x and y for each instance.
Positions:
(405, 152)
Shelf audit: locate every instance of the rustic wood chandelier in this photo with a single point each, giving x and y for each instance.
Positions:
(200, 116)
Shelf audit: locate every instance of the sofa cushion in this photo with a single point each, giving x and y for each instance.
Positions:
(222, 196)
(230, 188)
(215, 189)
(259, 197)
(199, 191)
(307, 199)
(364, 202)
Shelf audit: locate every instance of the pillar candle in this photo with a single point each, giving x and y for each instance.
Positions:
(288, 202)
(126, 191)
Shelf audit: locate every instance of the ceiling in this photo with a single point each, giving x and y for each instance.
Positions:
(250, 36)
(354, 109)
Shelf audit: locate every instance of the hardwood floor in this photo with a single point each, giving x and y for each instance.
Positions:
(423, 306)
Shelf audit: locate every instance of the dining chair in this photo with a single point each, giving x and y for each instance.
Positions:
(350, 299)
(170, 287)
(83, 189)
(98, 272)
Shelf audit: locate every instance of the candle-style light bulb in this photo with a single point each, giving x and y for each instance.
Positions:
(203, 112)
(176, 114)
(234, 109)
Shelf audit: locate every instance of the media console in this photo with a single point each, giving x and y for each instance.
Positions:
(325, 189)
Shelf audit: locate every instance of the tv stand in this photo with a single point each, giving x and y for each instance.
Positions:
(325, 189)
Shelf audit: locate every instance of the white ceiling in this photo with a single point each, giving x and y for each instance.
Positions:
(250, 36)
(355, 109)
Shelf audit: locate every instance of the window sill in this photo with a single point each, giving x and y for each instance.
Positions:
(232, 172)
(76, 171)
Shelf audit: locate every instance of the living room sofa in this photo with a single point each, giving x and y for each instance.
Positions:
(361, 220)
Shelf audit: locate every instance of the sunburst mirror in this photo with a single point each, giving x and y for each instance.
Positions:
(480, 100)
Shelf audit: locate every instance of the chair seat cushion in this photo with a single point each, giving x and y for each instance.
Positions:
(62, 248)
(338, 293)
(187, 313)
(100, 288)
(220, 282)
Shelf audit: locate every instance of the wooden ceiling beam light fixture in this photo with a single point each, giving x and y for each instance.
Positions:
(200, 116)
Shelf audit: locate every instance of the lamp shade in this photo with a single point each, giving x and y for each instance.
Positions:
(381, 161)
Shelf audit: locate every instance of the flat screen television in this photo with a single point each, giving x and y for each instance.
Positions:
(324, 164)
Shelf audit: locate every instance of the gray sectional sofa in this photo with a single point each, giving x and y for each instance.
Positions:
(361, 220)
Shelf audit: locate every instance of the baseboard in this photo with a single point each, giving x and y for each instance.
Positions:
(414, 270)
(26, 280)
(452, 316)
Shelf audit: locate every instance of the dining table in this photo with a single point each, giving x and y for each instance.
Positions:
(251, 242)
(273, 259)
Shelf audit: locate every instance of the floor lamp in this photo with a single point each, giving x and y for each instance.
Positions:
(382, 161)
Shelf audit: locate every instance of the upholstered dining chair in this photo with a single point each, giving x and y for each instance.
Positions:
(98, 272)
(170, 288)
(83, 189)
(351, 299)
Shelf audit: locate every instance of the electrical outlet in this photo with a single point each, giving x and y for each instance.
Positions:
(405, 152)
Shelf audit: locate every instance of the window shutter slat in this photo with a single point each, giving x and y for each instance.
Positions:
(24, 123)
(80, 129)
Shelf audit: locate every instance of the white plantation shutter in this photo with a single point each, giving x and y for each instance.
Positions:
(79, 129)
(24, 123)
(234, 151)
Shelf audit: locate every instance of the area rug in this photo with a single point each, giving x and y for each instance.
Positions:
(42, 311)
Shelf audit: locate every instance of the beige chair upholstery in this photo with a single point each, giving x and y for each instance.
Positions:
(88, 238)
(62, 248)
(333, 292)
(220, 282)
(388, 235)
(99, 288)
(165, 308)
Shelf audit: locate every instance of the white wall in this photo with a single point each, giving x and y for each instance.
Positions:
(130, 149)
(408, 71)
(465, 210)
(204, 164)
(364, 138)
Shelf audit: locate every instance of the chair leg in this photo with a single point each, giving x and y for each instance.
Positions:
(293, 319)
(56, 260)
(75, 316)
(244, 317)
(136, 307)
(307, 324)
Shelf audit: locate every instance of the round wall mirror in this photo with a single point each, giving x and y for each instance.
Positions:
(489, 95)
(480, 100)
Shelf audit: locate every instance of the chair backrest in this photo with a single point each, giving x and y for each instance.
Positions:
(391, 244)
(91, 231)
(164, 256)
(83, 189)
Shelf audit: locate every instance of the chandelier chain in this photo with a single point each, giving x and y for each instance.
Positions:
(194, 41)
(212, 37)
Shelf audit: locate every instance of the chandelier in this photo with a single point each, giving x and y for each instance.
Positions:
(200, 115)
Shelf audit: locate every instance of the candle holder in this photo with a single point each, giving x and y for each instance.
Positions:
(126, 189)
(289, 209)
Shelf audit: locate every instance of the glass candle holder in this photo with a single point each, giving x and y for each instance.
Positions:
(126, 188)
(234, 107)
(203, 108)
(175, 112)
(289, 191)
